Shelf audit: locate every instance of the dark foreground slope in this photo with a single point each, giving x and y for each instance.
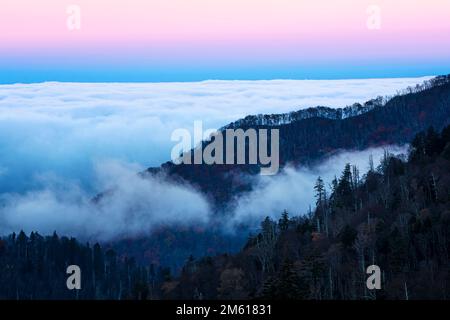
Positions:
(397, 217)
(311, 135)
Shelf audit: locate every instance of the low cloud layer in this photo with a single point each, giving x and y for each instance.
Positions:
(293, 188)
(134, 206)
(65, 128)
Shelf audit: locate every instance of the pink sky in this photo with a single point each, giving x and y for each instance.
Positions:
(221, 33)
(31, 23)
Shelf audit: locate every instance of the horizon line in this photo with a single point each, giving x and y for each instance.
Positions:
(215, 80)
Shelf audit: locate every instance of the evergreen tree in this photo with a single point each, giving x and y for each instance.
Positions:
(319, 188)
(283, 223)
(288, 285)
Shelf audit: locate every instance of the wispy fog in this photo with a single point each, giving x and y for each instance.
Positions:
(133, 206)
(293, 188)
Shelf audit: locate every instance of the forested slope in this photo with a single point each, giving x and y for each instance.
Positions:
(397, 217)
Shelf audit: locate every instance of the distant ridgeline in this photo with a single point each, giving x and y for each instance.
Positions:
(317, 112)
(331, 113)
(310, 135)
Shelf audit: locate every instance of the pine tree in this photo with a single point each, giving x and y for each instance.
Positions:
(344, 190)
(433, 144)
(319, 187)
(418, 150)
(288, 285)
(283, 223)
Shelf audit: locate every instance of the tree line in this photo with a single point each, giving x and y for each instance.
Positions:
(34, 268)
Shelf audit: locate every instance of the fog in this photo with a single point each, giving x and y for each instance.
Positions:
(131, 206)
(293, 188)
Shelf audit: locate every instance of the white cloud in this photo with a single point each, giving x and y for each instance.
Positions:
(293, 188)
(136, 206)
(65, 127)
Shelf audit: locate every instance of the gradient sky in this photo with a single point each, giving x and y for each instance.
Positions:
(187, 40)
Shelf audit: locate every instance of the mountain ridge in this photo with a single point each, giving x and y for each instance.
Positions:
(316, 133)
(302, 114)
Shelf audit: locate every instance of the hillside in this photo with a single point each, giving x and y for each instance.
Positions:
(397, 217)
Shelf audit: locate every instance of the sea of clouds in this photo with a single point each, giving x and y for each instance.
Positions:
(57, 140)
